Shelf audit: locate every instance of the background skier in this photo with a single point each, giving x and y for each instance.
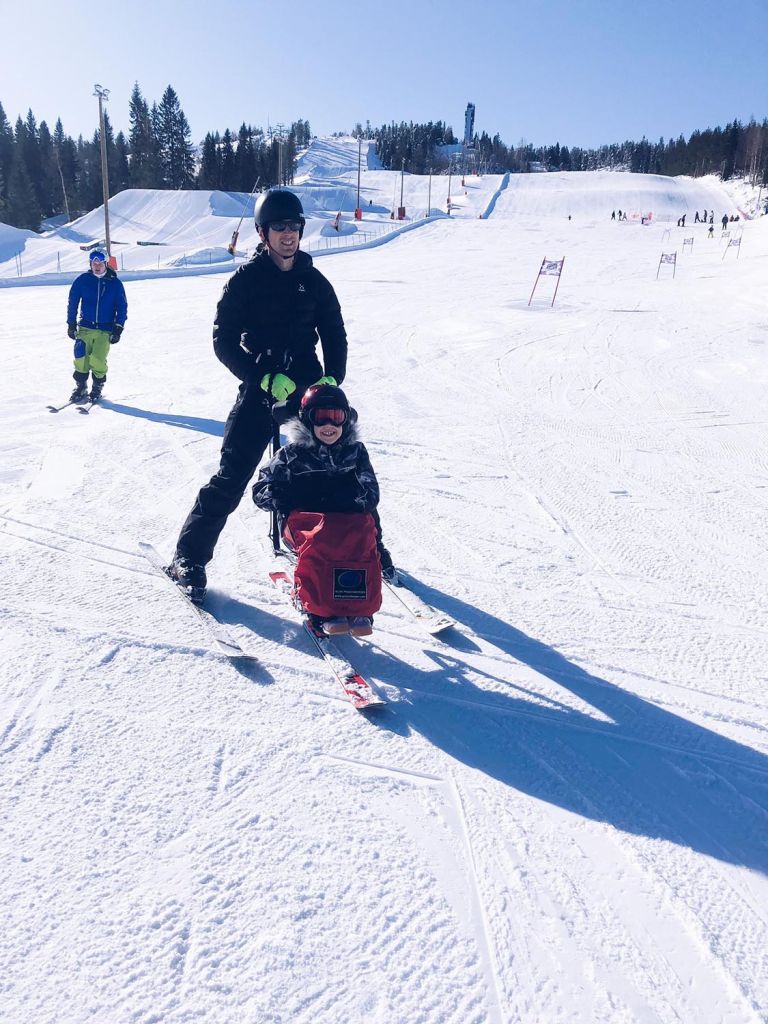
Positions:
(100, 297)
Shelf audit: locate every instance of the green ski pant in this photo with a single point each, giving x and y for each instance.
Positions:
(91, 351)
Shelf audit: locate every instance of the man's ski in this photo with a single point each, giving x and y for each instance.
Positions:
(88, 405)
(429, 618)
(58, 408)
(222, 641)
(357, 689)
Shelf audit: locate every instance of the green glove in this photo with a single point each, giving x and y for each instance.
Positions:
(326, 380)
(278, 385)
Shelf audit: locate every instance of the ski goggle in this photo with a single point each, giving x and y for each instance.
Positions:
(98, 257)
(322, 417)
(285, 225)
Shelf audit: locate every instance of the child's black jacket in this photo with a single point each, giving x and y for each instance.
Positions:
(314, 477)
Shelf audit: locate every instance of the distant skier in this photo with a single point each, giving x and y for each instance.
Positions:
(613, 215)
(323, 488)
(711, 231)
(724, 222)
(696, 219)
(268, 321)
(100, 297)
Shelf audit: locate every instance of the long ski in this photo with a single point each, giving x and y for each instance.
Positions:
(429, 618)
(357, 689)
(222, 642)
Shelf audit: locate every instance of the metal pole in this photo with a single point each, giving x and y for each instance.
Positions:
(450, 168)
(103, 95)
(402, 175)
(429, 194)
(359, 158)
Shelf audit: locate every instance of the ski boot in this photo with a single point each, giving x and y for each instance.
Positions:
(360, 625)
(97, 386)
(190, 577)
(80, 394)
(335, 626)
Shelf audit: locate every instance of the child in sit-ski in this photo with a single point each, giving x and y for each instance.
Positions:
(323, 489)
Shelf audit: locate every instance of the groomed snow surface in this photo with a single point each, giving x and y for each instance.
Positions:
(561, 816)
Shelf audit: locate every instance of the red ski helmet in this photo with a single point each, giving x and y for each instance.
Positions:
(324, 396)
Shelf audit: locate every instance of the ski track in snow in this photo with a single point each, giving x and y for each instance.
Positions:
(561, 815)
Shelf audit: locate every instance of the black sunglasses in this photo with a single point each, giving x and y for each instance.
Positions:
(285, 225)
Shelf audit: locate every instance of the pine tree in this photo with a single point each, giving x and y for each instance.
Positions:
(209, 176)
(49, 190)
(142, 146)
(6, 153)
(22, 209)
(245, 160)
(156, 156)
(68, 170)
(28, 140)
(176, 151)
(227, 163)
(89, 193)
(120, 176)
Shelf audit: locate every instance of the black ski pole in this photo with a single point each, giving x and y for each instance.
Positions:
(274, 526)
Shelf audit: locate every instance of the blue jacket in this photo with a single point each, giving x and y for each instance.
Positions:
(101, 300)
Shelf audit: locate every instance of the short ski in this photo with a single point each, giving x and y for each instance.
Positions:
(221, 639)
(58, 408)
(430, 618)
(86, 408)
(357, 689)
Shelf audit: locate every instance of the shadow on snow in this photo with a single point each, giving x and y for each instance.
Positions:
(636, 767)
(204, 426)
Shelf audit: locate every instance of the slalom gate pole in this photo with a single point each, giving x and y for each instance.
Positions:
(558, 282)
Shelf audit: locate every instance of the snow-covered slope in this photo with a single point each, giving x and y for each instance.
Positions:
(157, 231)
(595, 195)
(561, 817)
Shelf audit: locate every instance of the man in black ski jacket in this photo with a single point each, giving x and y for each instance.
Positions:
(267, 325)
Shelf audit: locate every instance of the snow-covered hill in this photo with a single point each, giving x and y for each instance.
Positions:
(181, 232)
(561, 816)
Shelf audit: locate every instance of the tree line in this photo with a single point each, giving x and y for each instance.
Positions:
(738, 150)
(44, 174)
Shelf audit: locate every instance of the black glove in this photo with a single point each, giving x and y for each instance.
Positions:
(72, 331)
(114, 337)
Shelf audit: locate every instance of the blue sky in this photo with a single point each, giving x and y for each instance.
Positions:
(578, 72)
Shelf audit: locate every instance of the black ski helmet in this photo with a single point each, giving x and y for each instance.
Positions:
(324, 396)
(278, 204)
